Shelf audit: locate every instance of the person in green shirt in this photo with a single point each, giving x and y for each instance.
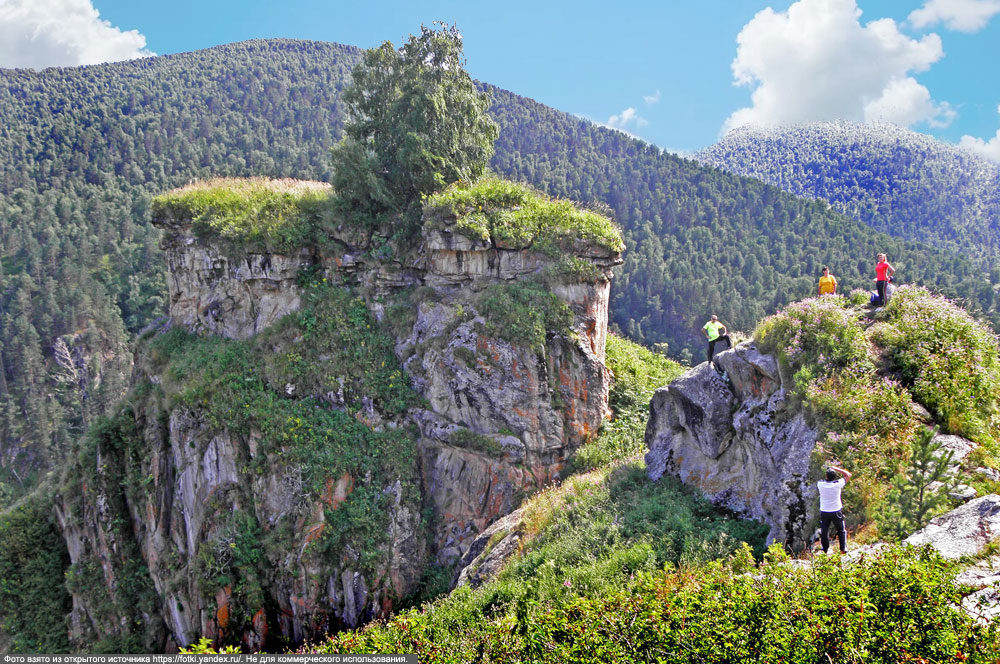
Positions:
(715, 331)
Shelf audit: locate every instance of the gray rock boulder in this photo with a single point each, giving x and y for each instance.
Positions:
(725, 428)
(964, 531)
(958, 446)
(490, 551)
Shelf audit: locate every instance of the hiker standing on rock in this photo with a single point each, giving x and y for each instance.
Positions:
(715, 331)
(830, 507)
(882, 273)
(827, 283)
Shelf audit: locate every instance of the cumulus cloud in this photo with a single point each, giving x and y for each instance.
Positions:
(816, 61)
(627, 117)
(906, 102)
(652, 99)
(50, 33)
(989, 149)
(961, 15)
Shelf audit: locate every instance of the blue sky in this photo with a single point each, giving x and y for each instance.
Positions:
(665, 71)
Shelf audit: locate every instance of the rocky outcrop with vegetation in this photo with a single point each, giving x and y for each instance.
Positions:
(311, 431)
(905, 398)
(727, 427)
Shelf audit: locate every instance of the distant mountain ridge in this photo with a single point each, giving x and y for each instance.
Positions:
(897, 181)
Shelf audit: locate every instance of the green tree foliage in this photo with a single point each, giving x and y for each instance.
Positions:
(920, 493)
(948, 359)
(415, 123)
(33, 562)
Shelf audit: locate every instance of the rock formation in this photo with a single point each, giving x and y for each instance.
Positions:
(213, 534)
(727, 428)
(964, 531)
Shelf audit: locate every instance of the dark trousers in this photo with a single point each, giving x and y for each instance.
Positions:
(836, 518)
(880, 287)
(711, 345)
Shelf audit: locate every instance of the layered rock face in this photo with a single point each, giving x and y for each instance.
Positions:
(536, 404)
(497, 418)
(726, 428)
(217, 292)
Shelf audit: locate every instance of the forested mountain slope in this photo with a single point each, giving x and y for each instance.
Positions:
(82, 151)
(701, 240)
(903, 183)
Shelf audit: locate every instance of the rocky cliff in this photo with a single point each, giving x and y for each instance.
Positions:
(726, 426)
(313, 428)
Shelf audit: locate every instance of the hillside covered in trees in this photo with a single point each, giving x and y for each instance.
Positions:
(83, 150)
(897, 181)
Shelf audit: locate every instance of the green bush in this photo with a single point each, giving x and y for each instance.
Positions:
(249, 214)
(947, 359)
(33, 564)
(865, 419)
(637, 373)
(897, 606)
(819, 335)
(516, 216)
(859, 383)
(524, 313)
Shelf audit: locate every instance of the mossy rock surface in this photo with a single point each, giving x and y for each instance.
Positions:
(515, 216)
(253, 214)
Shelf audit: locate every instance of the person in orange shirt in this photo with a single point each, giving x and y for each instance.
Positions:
(827, 283)
(882, 273)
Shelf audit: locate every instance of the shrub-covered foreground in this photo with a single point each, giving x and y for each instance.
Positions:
(897, 606)
(860, 377)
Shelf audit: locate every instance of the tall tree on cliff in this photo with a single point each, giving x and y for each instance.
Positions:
(416, 124)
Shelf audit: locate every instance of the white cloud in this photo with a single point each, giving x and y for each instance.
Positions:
(961, 15)
(906, 102)
(625, 118)
(50, 33)
(989, 149)
(652, 99)
(816, 61)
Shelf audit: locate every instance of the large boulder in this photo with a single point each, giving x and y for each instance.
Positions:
(726, 428)
(964, 531)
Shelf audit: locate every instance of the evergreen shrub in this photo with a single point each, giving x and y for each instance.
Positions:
(900, 605)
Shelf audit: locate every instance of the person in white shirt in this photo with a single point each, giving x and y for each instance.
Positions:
(830, 507)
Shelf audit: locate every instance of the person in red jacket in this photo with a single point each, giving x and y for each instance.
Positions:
(882, 273)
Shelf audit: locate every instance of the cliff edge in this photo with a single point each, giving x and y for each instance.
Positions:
(328, 412)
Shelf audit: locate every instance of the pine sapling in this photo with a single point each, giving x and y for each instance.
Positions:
(922, 491)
